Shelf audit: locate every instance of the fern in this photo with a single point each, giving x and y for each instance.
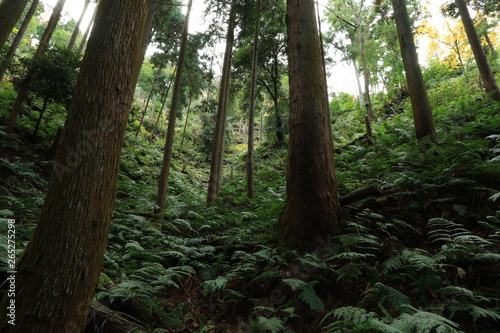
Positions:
(353, 319)
(307, 293)
(212, 286)
(273, 324)
(383, 294)
(423, 322)
(392, 264)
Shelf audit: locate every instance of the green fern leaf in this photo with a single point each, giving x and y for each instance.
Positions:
(273, 324)
(211, 286)
(295, 284)
(309, 296)
(424, 322)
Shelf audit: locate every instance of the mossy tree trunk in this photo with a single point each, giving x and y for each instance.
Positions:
(58, 272)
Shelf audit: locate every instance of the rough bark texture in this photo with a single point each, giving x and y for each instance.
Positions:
(215, 180)
(422, 113)
(312, 202)
(10, 10)
(489, 81)
(251, 113)
(18, 38)
(44, 41)
(74, 35)
(59, 270)
(169, 140)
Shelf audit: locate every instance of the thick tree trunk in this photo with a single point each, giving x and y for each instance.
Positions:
(251, 113)
(24, 88)
(10, 10)
(312, 201)
(422, 113)
(215, 180)
(59, 270)
(169, 140)
(74, 35)
(489, 81)
(19, 36)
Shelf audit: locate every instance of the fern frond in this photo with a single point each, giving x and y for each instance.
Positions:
(392, 264)
(211, 286)
(273, 324)
(309, 296)
(351, 256)
(424, 322)
(473, 310)
(380, 293)
(295, 284)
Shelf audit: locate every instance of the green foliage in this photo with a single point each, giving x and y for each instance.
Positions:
(307, 293)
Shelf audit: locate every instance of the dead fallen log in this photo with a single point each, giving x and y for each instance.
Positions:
(105, 320)
(360, 194)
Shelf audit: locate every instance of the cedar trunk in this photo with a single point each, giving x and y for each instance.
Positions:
(215, 180)
(489, 81)
(10, 10)
(18, 38)
(251, 113)
(44, 41)
(74, 35)
(169, 140)
(311, 211)
(422, 112)
(58, 272)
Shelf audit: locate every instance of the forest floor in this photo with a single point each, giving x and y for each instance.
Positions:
(420, 256)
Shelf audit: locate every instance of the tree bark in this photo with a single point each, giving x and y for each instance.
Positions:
(215, 180)
(74, 35)
(58, 272)
(251, 113)
(169, 140)
(489, 81)
(422, 113)
(24, 88)
(19, 36)
(10, 10)
(311, 211)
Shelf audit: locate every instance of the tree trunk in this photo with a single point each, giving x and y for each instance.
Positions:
(422, 113)
(366, 76)
(24, 88)
(10, 10)
(83, 42)
(58, 272)
(19, 37)
(42, 111)
(172, 117)
(311, 211)
(160, 68)
(215, 180)
(489, 81)
(72, 40)
(361, 98)
(185, 124)
(251, 115)
(165, 97)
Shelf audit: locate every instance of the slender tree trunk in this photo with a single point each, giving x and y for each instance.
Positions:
(74, 35)
(160, 68)
(366, 75)
(24, 88)
(10, 10)
(489, 81)
(165, 97)
(19, 36)
(422, 113)
(251, 115)
(172, 117)
(83, 42)
(42, 111)
(358, 82)
(311, 211)
(153, 109)
(185, 123)
(58, 272)
(215, 180)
